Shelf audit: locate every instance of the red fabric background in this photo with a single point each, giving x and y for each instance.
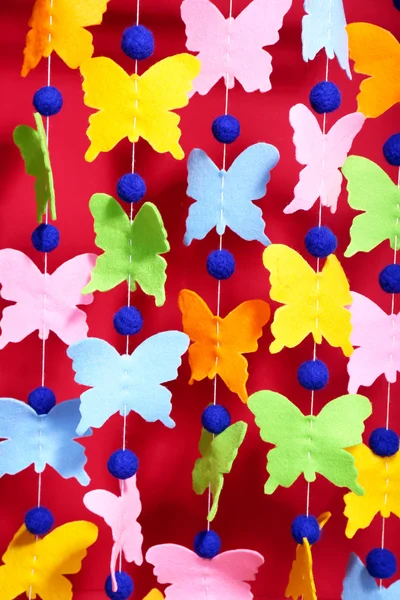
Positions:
(171, 511)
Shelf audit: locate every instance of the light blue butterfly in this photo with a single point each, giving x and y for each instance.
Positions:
(42, 439)
(324, 26)
(359, 585)
(127, 382)
(224, 198)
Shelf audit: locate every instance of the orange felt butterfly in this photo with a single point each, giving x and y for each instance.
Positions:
(219, 343)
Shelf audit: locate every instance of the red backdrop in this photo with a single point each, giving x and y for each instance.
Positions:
(171, 511)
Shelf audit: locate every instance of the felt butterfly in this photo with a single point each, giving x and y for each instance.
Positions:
(373, 192)
(360, 585)
(120, 513)
(219, 343)
(314, 302)
(24, 284)
(127, 382)
(323, 155)
(225, 198)
(233, 48)
(136, 106)
(59, 26)
(37, 567)
(218, 455)
(32, 144)
(131, 250)
(324, 26)
(189, 576)
(310, 444)
(376, 53)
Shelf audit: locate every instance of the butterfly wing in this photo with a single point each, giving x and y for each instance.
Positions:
(16, 573)
(180, 568)
(19, 428)
(301, 579)
(358, 583)
(229, 573)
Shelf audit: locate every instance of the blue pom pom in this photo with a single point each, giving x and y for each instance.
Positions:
(226, 129)
(389, 279)
(207, 544)
(215, 419)
(313, 374)
(381, 563)
(137, 42)
(128, 320)
(131, 187)
(125, 586)
(391, 150)
(221, 264)
(39, 520)
(45, 238)
(320, 242)
(384, 442)
(306, 527)
(396, 4)
(48, 101)
(325, 97)
(123, 464)
(42, 400)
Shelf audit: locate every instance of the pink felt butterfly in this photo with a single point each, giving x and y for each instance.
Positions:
(323, 156)
(190, 576)
(43, 302)
(233, 48)
(120, 513)
(378, 336)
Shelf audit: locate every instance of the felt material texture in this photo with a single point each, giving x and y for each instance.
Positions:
(42, 440)
(137, 106)
(188, 575)
(131, 250)
(322, 154)
(233, 48)
(219, 343)
(24, 284)
(127, 382)
(154, 595)
(371, 191)
(225, 198)
(359, 585)
(66, 34)
(310, 444)
(32, 145)
(58, 554)
(314, 303)
(218, 455)
(324, 27)
(376, 53)
(121, 514)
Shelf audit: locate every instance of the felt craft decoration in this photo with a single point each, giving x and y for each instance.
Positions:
(32, 145)
(131, 250)
(233, 48)
(189, 576)
(323, 155)
(59, 26)
(127, 382)
(136, 106)
(48, 439)
(314, 302)
(360, 585)
(120, 513)
(219, 343)
(310, 444)
(225, 198)
(218, 455)
(38, 567)
(324, 27)
(372, 191)
(376, 53)
(154, 595)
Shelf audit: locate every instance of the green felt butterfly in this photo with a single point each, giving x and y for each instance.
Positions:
(310, 444)
(131, 250)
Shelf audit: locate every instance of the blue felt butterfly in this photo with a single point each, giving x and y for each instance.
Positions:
(224, 198)
(42, 439)
(127, 382)
(359, 585)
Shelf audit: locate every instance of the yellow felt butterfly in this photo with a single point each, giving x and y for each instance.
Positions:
(315, 302)
(38, 567)
(154, 594)
(136, 106)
